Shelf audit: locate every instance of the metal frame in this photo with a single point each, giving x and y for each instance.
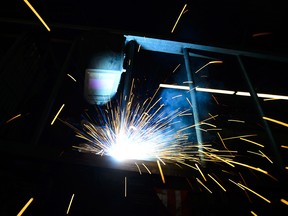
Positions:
(185, 49)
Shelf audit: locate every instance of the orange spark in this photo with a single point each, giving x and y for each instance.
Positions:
(217, 183)
(200, 172)
(276, 121)
(261, 34)
(253, 213)
(25, 207)
(254, 193)
(221, 140)
(11, 119)
(178, 18)
(250, 141)
(161, 172)
(68, 209)
(204, 185)
(138, 168)
(35, 12)
(146, 168)
(211, 62)
(57, 114)
(284, 201)
(239, 136)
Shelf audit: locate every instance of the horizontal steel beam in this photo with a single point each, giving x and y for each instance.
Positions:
(174, 47)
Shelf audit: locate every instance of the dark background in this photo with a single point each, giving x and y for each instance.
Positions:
(37, 159)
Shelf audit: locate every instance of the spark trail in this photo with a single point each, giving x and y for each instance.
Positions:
(151, 131)
(138, 132)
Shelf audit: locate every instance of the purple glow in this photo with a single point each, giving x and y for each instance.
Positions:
(100, 84)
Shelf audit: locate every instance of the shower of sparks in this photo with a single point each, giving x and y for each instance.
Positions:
(276, 121)
(25, 207)
(161, 172)
(150, 131)
(13, 118)
(178, 18)
(35, 12)
(72, 77)
(283, 146)
(211, 62)
(70, 203)
(143, 131)
(57, 114)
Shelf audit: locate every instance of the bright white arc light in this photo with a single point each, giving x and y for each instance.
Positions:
(127, 149)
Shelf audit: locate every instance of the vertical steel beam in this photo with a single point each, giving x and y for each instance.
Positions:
(49, 104)
(274, 147)
(12, 50)
(191, 81)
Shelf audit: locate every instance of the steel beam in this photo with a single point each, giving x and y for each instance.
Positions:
(50, 101)
(174, 47)
(273, 145)
(191, 81)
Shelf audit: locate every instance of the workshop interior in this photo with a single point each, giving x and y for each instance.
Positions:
(143, 109)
